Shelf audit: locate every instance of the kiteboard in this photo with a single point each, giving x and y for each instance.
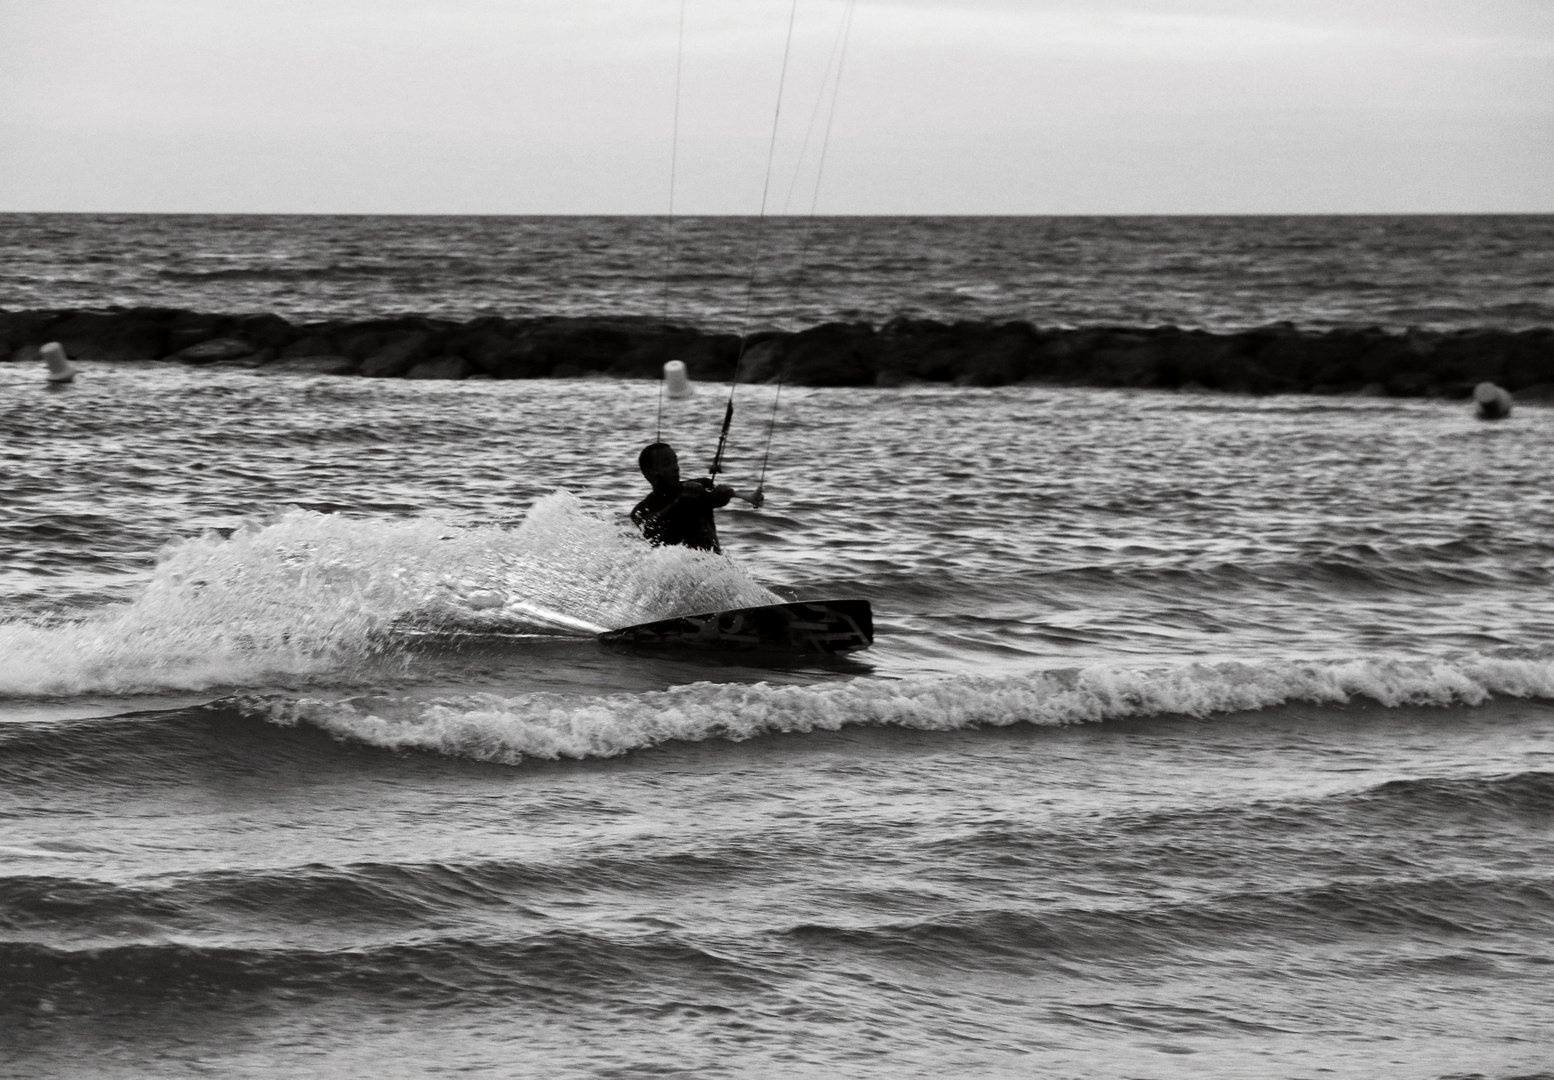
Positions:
(824, 627)
(830, 627)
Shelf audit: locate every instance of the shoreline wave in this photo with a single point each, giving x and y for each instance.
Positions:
(547, 726)
(309, 735)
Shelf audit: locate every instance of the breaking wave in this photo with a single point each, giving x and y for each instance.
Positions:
(507, 730)
(305, 594)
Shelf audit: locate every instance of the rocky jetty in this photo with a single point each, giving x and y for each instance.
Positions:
(1273, 359)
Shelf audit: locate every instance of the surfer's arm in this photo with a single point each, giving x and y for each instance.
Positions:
(719, 494)
(650, 509)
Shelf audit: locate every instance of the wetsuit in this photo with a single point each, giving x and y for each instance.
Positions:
(682, 514)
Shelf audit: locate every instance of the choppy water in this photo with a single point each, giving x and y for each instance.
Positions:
(1218, 273)
(1203, 736)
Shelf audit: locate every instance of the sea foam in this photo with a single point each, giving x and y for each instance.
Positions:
(543, 725)
(305, 594)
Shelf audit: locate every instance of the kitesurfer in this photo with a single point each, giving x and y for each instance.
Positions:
(680, 512)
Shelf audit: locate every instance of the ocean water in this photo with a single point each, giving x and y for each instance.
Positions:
(1444, 272)
(1203, 735)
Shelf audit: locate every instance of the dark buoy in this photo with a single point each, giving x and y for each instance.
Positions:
(1493, 402)
(61, 370)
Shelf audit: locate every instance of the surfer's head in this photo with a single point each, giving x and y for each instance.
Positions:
(659, 464)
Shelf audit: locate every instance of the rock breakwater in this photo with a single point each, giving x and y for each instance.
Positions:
(1275, 359)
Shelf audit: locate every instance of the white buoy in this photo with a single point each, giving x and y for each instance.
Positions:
(1493, 402)
(60, 367)
(677, 384)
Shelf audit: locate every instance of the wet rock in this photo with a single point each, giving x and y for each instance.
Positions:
(1336, 373)
(490, 348)
(1125, 359)
(443, 367)
(397, 355)
(265, 331)
(525, 358)
(362, 340)
(192, 327)
(707, 357)
(585, 347)
(1529, 358)
(252, 360)
(1421, 343)
(1537, 394)
(1268, 360)
(832, 354)
(216, 350)
(1470, 357)
(23, 329)
(309, 345)
(1190, 360)
(312, 365)
(893, 380)
(568, 348)
(1273, 359)
(1411, 384)
(1379, 356)
(505, 350)
(1061, 354)
(762, 361)
(973, 354)
(91, 335)
(999, 357)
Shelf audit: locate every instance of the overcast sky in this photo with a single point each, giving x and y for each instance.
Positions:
(945, 106)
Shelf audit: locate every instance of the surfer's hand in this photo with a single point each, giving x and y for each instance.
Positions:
(758, 498)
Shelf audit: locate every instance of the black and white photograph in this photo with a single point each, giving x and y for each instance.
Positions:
(777, 539)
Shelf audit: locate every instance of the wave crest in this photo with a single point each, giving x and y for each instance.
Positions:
(507, 730)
